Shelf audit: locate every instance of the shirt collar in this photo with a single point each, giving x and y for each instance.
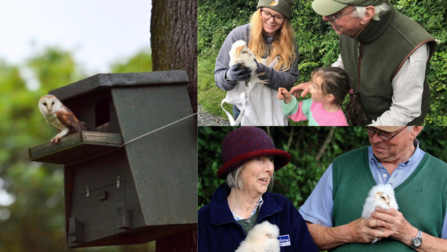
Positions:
(268, 39)
(220, 212)
(256, 209)
(417, 153)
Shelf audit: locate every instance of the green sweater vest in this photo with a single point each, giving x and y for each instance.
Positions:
(422, 197)
(380, 50)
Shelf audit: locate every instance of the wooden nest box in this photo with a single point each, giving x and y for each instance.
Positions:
(142, 191)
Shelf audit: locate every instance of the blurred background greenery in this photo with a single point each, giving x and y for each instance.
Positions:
(32, 216)
(318, 45)
(312, 150)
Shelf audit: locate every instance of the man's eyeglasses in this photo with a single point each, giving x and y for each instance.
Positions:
(334, 17)
(384, 137)
(267, 15)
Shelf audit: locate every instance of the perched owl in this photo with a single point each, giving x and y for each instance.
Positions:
(240, 53)
(262, 238)
(379, 196)
(59, 117)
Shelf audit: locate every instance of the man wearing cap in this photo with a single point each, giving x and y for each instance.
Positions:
(249, 161)
(333, 210)
(385, 54)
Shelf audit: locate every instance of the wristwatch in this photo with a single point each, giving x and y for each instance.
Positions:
(416, 241)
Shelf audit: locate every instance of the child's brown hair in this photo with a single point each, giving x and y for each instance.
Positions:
(336, 83)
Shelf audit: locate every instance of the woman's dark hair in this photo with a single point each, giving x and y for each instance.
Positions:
(336, 83)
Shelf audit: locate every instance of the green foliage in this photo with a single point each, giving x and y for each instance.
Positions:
(318, 45)
(312, 149)
(217, 18)
(140, 62)
(35, 221)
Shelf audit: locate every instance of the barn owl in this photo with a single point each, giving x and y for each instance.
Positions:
(59, 117)
(262, 238)
(379, 196)
(240, 53)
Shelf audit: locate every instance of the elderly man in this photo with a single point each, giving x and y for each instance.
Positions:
(333, 210)
(385, 54)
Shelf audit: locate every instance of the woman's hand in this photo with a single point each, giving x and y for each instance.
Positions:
(238, 73)
(283, 94)
(295, 91)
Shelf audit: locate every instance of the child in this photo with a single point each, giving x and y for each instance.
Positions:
(328, 89)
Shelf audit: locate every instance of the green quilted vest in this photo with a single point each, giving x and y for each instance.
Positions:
(422, 197)
(380, 50)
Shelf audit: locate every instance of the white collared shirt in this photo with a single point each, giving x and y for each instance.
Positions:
(408, 86)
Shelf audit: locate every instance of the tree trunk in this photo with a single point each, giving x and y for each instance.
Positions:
(183, 242)
(174, 47)
(174, 40)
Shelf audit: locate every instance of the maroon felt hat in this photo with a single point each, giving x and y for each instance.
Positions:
(246, 143)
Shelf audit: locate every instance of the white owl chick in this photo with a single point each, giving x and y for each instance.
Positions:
(59, 117)
(240, 53)
(379, 196)
(262, 238)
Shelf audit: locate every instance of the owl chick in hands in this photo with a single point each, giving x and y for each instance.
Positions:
(262, 238)
(60, 117)
(379, 196)
(243, 64)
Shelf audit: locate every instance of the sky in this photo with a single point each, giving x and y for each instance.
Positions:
(98, 32)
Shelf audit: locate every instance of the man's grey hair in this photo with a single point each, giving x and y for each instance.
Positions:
(360, 11)
(234, 181)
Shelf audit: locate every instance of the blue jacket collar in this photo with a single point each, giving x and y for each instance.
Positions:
(220, 212)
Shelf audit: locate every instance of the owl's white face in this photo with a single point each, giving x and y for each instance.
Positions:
(49, 104)
(383, 198)
(244, 53)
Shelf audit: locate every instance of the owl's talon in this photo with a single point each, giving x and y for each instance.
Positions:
(56, 140)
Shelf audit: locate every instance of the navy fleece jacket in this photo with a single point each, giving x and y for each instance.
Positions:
(219, 231)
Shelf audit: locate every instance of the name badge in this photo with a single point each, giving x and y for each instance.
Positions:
(284, 240)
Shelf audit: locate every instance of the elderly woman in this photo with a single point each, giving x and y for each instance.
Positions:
(270, 37)
(250, 159)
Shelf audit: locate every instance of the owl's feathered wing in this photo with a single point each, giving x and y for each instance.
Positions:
(69, 120)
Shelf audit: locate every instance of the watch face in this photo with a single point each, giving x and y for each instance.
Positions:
(417, 242)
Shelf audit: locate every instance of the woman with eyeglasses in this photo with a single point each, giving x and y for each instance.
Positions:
(270, 37)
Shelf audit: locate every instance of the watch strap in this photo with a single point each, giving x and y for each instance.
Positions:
(417, 241)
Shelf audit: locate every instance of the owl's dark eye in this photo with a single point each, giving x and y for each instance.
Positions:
(52, 103)
(45, 103)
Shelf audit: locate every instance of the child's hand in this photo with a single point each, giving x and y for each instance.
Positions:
(283, 94)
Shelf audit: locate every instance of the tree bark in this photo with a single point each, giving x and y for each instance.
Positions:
(174, 40)
(183, 242)
(174, 47)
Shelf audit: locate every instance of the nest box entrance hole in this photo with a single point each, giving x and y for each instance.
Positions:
(102, 113)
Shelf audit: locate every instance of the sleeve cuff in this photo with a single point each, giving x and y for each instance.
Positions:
(313, 220)
(291, 107)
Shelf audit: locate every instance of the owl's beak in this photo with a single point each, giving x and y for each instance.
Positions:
(49, 108)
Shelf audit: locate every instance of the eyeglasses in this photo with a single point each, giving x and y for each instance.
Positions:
(386, 138)
(333, 17)
(267, 15)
